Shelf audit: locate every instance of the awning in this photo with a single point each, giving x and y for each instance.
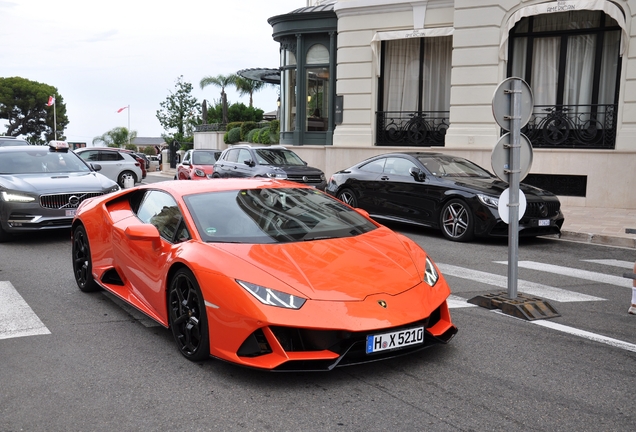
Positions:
(563, 6)
(271, 76)
(404, 34)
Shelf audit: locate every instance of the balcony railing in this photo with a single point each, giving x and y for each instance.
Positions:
(572, 126)
(411, 128)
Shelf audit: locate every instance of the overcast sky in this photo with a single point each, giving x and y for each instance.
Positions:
(102, 56)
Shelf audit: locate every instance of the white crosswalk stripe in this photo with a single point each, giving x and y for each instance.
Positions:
(613, 262)
(526, 287)
(576, 273)
(17, 319)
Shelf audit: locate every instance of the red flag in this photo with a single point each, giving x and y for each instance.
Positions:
(51, 101)
(121, 109)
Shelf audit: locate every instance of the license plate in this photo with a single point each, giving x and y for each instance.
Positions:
(544, 222)
(70, 213)
(395, 340)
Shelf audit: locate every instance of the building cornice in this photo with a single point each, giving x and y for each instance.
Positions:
(365, 7)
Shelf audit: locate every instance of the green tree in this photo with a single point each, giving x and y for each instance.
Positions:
(220, 81)
(179, 113)
(116, 137)
(247, 86)
(23, 103)
(237, 112)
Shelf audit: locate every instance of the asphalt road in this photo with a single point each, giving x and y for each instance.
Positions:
(100, 367)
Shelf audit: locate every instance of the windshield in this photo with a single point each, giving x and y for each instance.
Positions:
(276, 215)
(447, 166)
(278, 157)
(40, 160)
(12, 142)
(202, 157)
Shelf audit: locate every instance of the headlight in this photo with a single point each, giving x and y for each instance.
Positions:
(199, 172)
(489, 200)
(430, 273)
(14, 197)
(113, 189)
(272, 297)
(277, 175)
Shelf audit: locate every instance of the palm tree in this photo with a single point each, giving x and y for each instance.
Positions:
(220, 81)
(246, 86)
(116, 137)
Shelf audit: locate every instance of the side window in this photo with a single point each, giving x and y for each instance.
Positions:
(375, 167)
(232, 155)
(91, 156)
(398, 166)
(244, 155)
(108, 156)
(161, 210)
(186, 157)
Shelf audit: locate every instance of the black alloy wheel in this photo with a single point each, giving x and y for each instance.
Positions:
(187, 316)
(82, 263)
(347, 196)
(456, 221)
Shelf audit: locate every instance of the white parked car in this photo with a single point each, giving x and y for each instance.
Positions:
(115, 165)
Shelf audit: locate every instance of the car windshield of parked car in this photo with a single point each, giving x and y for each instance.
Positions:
(202, 157)
(441, 166)
(278, 157)
(40, 161)
(273, 215)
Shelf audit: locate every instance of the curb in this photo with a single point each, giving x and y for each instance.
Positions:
(599, 239)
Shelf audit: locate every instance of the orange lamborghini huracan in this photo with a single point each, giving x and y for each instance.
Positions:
(263, 273)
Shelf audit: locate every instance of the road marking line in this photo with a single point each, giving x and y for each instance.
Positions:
(613, 262)
(577, 273)
(455, 302)
(17, 319)
(577, 332)
(526, 287)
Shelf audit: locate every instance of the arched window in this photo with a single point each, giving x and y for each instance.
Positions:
(317, 88)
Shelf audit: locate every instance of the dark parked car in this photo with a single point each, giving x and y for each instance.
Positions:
(270, 162)
(441, 191)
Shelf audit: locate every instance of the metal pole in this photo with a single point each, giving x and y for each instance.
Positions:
(515, 168)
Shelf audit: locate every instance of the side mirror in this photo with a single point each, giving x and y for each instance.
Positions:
(96, 167)
(249, 163)
(186, 162)
(144, 232)
(417, 174)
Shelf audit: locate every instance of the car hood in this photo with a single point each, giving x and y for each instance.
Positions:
(493, 186)
(56, 182)
(345, 269)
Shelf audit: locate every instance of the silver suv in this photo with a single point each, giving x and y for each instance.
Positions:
(115, 165)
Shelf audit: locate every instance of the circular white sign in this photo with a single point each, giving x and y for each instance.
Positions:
(504, 200)
(501, 103)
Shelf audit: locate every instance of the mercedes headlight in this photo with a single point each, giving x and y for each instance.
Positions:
(272, 297)
(15, 197)
(430, 273)
(488, 200)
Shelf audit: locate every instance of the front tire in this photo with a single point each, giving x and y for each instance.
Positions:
(347, 196)
(82, 262)
(187, 316)
(457, 221)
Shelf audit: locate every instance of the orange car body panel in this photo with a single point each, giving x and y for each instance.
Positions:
(343, 279)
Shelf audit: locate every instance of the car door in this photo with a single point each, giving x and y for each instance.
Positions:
(111, 162)
(226, 165)
(184, 168)
(143, 264)
(364, 183)
(402, 196)
(93, 157)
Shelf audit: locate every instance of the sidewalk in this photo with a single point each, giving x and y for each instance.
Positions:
(583, 224)
(599, 225)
